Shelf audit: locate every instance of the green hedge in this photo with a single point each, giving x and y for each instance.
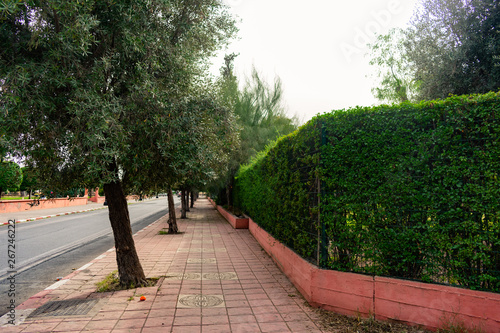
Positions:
(409, 191)
(277, 189)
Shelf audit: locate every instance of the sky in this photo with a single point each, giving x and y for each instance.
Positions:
(318, 48)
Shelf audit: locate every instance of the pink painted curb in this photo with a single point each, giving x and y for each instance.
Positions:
(34, 301)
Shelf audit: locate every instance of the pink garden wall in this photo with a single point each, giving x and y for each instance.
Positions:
(12, 206)
(415, 303)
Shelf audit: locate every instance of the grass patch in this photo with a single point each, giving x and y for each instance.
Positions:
(112, 283)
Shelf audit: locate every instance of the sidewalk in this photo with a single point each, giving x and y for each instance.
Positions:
(213, 278)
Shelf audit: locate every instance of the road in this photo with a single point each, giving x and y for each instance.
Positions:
(51, 248)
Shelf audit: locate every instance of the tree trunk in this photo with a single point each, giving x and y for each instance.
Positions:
(187, 201)
(192, 199)
(172, 220)
(183, 204)
(129, 267)
(228, 196)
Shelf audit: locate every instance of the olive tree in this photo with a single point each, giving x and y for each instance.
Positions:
(393, 68)
(453, 46)
(86, 87)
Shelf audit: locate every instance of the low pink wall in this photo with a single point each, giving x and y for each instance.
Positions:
(433, 305)
(345, 293)
(299, 271)
(212, 202)
(411, 302)
(97, 199)
(236, 222)
(12, 206)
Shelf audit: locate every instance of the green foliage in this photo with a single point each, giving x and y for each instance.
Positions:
(11, 176)
(409, 191)
(260, 116)
(277, 188)
(29, 182)
(452, 45)
(393, 68)
(93, 82)
(195, 141)
(88, 89)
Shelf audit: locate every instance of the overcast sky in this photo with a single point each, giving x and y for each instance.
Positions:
(316, 47)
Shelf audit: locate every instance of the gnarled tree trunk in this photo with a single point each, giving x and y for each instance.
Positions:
(172, 220)
(192, 199)
(129, 266)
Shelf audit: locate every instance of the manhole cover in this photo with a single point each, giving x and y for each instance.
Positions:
(200, 301)
(71, 307)
(220, 276)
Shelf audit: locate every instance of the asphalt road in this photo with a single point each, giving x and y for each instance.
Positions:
(51, 248)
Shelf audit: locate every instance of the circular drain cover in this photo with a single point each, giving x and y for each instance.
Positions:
(201, 301)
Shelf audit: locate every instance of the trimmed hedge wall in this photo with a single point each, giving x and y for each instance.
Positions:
(277, 189)
(408, 191)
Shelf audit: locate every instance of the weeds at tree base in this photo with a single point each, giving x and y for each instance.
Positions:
(112, 283)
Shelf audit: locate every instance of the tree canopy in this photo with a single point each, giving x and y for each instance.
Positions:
(450, 47)
(89, 89)
(11, 176)
(261, 117)
(30, 181)
(394, 69)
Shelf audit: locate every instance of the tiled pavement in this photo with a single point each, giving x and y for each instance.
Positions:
(213, 279)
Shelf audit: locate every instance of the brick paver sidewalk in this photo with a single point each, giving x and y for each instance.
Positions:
(213, 279)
